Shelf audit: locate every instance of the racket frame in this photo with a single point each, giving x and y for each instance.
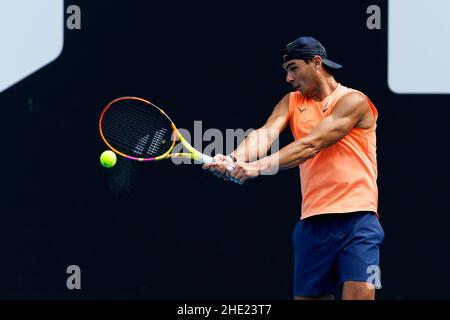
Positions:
(193, 153)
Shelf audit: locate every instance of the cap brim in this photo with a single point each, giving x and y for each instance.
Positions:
(331, 64)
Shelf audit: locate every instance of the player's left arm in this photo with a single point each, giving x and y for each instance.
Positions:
(350, 111)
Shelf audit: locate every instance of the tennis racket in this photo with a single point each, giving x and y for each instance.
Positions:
(139, 130)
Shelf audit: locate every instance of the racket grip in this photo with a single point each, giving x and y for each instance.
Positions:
(205, 159)
(231, 166)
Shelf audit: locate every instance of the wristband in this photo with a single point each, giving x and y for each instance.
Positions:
(231, 157)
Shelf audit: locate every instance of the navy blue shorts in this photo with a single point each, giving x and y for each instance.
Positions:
(333, 248)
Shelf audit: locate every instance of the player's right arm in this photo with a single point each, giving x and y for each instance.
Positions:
(258, 142)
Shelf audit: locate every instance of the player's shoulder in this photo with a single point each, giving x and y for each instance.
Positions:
(353, 100)
(286, 98)
(293, 97)
(284, 101)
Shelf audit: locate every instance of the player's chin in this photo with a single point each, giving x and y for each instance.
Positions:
(303, 92)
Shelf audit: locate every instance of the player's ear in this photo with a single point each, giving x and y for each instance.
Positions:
(317, 62)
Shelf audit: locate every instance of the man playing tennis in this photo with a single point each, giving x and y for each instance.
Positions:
(338, 236)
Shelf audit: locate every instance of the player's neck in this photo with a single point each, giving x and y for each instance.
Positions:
(325, 88)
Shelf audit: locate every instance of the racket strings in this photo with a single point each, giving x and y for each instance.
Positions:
(131, 149)
(137, 129)
(148, 141)
(122, 121)
(154, 115)
(132, 114)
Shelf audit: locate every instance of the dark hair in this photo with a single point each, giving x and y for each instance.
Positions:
(327, 68)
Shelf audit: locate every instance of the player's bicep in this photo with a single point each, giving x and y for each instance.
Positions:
(346, 115)
(329, 131)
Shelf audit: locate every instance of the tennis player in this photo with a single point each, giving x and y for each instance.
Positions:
(338, 236)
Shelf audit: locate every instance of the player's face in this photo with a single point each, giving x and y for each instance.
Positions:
(301, 76)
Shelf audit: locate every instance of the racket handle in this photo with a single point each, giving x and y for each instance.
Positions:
(207, 159)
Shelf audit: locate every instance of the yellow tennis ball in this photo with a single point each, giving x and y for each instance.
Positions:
(108, 159)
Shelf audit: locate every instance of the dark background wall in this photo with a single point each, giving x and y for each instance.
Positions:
(162, 231)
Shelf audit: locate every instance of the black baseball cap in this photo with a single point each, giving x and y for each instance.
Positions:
(306, 48)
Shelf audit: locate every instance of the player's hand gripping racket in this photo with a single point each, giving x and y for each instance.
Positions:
(139, 130)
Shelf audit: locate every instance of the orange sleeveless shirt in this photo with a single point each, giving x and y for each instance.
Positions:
(342, 177)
